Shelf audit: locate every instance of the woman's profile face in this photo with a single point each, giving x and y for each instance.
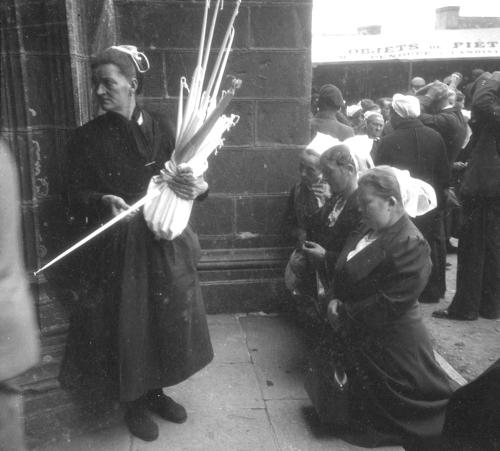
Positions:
(375, 210)
(113, 90)
(336, 176)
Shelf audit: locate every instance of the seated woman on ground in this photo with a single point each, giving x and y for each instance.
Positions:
(340, 214)
(306, 199)
(397, 393)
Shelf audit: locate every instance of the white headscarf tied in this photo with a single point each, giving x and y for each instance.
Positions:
(322, 142)
(418, 196)
(140, 59)
(408, 107)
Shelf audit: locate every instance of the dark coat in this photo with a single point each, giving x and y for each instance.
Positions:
(18, 329)
(398, 391)
(142, 323)
(302, 206)
(420, 150)
(328, 124)
(450, 124)
(482, 176)
(334, 238)
(473, 414)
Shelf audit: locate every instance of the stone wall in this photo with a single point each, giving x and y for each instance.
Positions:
(240, 223)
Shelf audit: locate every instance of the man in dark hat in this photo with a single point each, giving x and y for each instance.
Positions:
(330, 101)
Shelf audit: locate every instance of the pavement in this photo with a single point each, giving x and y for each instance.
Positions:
(250, 398)
(470, 347)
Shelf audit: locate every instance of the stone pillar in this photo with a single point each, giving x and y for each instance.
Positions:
(37, 108)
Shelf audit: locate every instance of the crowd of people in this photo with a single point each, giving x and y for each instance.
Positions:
(383, 185)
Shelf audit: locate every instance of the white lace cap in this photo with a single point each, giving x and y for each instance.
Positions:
(140, 60)
(322, 142)
(418, 196)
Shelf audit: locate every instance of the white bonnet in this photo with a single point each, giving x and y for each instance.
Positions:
(408, 107)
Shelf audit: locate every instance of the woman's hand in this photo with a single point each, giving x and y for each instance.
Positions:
(315, 252)
(116, 204)
(332, 315)
(321, 192)
(186, 186)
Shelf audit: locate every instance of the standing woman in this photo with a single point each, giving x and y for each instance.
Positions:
(142, 324)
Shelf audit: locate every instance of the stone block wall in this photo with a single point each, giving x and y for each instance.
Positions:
(250, 176)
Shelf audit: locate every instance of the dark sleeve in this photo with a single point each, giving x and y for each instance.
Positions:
(436, 121)
(348, 222)
(485, 103)
(442, 165)
(380, 154)
(405, 276)
(83, 193)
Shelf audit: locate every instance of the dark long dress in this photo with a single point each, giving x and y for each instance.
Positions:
(398, 391)
(141, 321)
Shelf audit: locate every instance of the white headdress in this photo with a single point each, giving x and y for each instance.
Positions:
(140, 60)
(418, 196)
(322, 142)
(360, 147)
(406, 106)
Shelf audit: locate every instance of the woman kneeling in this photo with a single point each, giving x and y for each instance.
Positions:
(397, 393)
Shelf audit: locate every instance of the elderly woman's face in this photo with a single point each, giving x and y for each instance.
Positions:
(375, 210)
(374, 126)
(113, 90)
(309, 169)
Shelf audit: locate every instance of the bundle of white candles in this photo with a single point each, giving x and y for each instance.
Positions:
(200, 126)
(199, 131)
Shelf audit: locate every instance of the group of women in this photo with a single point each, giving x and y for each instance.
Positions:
(143, 327)
(376, 264)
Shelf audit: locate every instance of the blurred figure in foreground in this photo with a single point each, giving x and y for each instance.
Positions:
(18, 336)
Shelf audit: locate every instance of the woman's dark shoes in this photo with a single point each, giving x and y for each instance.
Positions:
(166, 408)
(141, 425)
(447, 314)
